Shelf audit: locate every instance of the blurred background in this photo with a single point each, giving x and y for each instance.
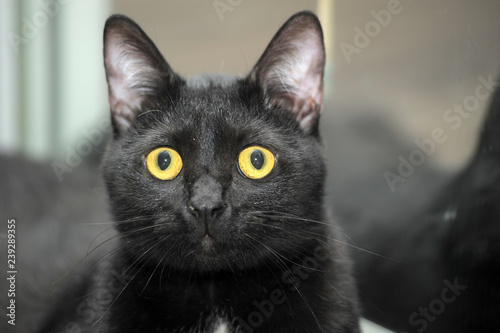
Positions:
(397, 70)
(408, 69)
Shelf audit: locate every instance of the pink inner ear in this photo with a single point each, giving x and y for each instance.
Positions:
(123, 115)
(122, 69)
(291, 69)
(306, 110)
(124, 101)
(297, 76)
(131, 76)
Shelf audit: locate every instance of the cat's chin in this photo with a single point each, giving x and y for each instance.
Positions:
(206, 262)
(208, 256)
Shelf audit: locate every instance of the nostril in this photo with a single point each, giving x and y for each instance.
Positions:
(205, 212)
(217, 210)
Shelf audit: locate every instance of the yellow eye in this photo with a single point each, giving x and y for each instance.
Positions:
(256, 162)
(164, 163)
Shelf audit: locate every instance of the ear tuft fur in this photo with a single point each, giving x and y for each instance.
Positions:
(291, 69)
(134, 67)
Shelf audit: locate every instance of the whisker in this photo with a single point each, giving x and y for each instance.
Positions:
(296, 288)
(291, 216)
(107, 240)
(114, 251)
(126, 285)
(149, 111)
(312, 233)
(326, 280)
(272, 272)
(156, 267)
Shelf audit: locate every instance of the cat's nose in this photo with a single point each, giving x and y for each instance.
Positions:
(206, 199)
(207, 214)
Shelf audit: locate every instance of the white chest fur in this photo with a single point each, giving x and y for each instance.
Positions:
(221, 327)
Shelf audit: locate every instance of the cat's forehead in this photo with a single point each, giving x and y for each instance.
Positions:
(215, 111)
(212, 103)
(207, 109)
(209, 95)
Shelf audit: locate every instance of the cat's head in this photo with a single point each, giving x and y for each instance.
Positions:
(214, 173)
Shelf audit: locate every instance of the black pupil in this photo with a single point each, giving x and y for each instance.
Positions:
(164, 160)
(257, 159)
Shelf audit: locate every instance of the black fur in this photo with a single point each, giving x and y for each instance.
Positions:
(274, 262)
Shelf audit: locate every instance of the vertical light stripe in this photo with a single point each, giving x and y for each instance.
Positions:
(9, 78)
(326, 15)
(83, 95)
(36, 74)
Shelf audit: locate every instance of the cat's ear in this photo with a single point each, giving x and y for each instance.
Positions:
(135, 69)
(291, 69)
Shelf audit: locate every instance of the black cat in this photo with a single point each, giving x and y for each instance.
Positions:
(216, 186)
(447, 277)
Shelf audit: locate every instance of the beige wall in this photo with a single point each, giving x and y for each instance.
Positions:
(194, 39)
(427, 59)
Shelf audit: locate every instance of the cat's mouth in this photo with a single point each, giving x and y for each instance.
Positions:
(207, 243)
